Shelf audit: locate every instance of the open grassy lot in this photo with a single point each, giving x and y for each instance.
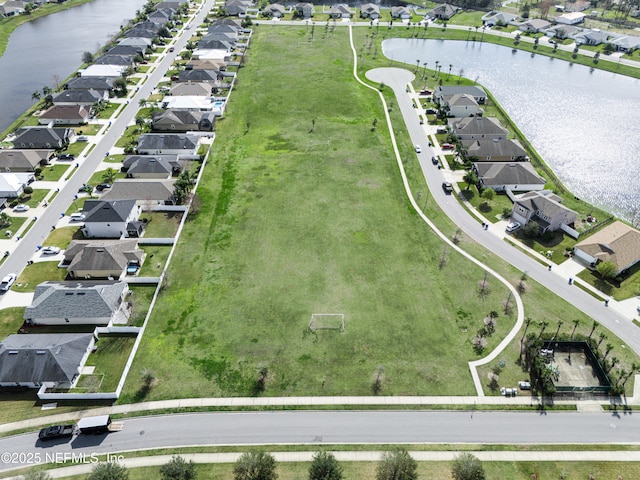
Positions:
(309, 218)
(11, 319)
(161, 224)
(16, 223)
(36, 273)
(89, 129)
(429, 470)
(155, 260)
(61, 237)
(53, 173)
(492, 210)
(109, 360)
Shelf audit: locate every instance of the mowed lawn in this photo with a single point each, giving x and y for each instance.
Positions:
(295, 222)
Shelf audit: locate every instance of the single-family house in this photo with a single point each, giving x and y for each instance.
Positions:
(111, 219)
(274, 10)
(340, 10)
(109, 71)
(160, 17)
(444, 11)
(195, 103)
(66, 114)
(544, 208)
(115, 59)
(43, 137)
(477, 128)
(127, 50)
(206, 64)
(78, 303)
(169, 4)
(625, 43)
(182, 121)
(591, 37)
(99, 84)
(517, 177)
(370, 11)
(144, 29)
(168, 143)
(237, 8)
(12, 184)
(152, 166)
(304, 10)
(442, 94)
(571, 18)
(534, 25)
(462, 105)
(44, 358)
(209, 76)
(562, 32)
(80, 97)
(14, 160)
(579, 6)
(191, 89)
(101, 258)
(495, 150)
(501, 19)
(11, 8)
(403, 13)
(617, 243)
(137, 42)
(148, 192)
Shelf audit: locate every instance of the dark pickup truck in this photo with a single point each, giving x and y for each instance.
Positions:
(56, 431)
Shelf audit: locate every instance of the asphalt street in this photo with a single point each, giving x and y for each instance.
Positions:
(398, 79)
(334, 427)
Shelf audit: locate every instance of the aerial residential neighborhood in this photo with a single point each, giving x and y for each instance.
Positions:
(239, 229)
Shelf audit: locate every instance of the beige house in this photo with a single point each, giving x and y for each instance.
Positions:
(618, 243)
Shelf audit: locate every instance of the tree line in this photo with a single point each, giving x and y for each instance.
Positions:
(259, 465)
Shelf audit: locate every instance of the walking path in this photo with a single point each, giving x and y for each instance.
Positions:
(365, 456)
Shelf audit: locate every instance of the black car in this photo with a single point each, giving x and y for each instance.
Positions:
(103, 186)
(447, 187)
(434, 160)
(66, 156)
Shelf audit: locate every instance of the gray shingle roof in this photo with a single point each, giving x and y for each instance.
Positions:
(151, 164)
(101, 255)
(477, 126)
(101, 211)
(75, 300)
(22, 159)
(143, 190)
(167, 141)
(42, 357)
(501, 173)
(546, 205)
(493, 147)
(90, 83)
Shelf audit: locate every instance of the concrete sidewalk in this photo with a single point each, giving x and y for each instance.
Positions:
(365, 456)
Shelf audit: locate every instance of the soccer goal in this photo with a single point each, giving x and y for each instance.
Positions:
(327, 321)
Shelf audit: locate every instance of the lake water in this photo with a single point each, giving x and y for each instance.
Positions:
(52, 46)
(583, 123)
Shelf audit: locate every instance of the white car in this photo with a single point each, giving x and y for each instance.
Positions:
(513, 226)
(76, 217)
(418, 149)
(7, 281)
(21, 208)
(50, 250)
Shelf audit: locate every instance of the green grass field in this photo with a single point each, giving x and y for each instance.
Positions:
(429, 470)
(309, 222)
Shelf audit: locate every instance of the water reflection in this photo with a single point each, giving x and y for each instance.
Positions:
(583, 122)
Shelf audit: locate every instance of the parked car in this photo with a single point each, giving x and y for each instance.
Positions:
(50, 250)
(513, 226)
(76, 217)
(103, 186)
(418, 149)
(447, 187)
(171, 49)
(7, 281)
(82, 138)
(448, 146)
(56, 431)
(441, 130)
(434, 160)
(21, 208)
(430, 111)
(524, 385)
(66, 156)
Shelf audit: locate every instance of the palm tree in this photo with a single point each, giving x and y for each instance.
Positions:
(35, 95)
(46, 90)
(142, 103)
(527, 322)
(109, 175)
(543, 325)
(470, 178)
(575, 322)
(602, 337)
(607, 350)
(593, 327)
(560, 322)
(449, 74)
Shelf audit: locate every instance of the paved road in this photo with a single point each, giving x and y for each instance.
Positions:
(398, 79)
(38, 232)
(338, 427)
